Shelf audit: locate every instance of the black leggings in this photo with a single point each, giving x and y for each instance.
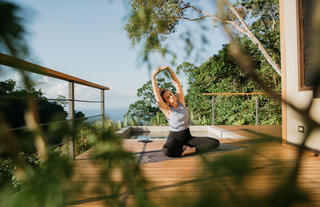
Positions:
(175, 141)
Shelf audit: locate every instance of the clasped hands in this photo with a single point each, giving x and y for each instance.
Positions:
(158, 70)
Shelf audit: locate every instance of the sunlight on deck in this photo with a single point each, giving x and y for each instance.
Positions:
(175, 179)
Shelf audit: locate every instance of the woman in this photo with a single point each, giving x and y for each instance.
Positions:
(179, 142)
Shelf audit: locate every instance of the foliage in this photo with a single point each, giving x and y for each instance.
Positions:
(151, 22)
(158, 119)
(108, 152)
(83, 134)
(220, 74)
(43, 186)
(199, 121)
(14, 104)
(144, 111)
(12, 29)
(7, 176)
(50, 184)
(129, 121)
(266, 24)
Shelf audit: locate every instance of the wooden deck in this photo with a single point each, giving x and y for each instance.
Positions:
(181, 179)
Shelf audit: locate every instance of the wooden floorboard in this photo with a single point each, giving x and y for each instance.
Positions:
(177, 180)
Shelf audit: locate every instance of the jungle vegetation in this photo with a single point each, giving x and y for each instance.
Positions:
(44, 178)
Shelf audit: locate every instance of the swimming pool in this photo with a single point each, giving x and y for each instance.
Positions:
(148, 135)
(162, 132)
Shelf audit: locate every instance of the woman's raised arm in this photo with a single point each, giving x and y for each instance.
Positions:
(180, 95)
(162, 105)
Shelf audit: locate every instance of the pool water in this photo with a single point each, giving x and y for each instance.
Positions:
(161, 134)
(149, 135)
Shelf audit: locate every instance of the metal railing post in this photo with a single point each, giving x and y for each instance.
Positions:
(102, 108)
(71, 121)
(257, 108)
(212, 110)
(38, 69)
(238, 94)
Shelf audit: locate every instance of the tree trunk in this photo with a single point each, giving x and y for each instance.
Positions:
(254, 39)
(244, 30)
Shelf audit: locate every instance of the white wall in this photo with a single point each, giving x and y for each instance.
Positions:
(298, 98)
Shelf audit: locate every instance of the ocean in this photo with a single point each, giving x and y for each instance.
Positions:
(114, 114)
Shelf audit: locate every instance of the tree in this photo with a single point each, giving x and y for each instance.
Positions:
(13, 104)
(221, 74)
(143, 110)
(13, 34)
(152, 21)
(12, 29)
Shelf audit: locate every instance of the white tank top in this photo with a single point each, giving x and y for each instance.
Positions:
(179, 118)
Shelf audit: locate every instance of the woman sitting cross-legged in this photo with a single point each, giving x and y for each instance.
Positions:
(179, 142)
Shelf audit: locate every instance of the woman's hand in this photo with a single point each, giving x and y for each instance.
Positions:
(158, 70)
(164, 68)
(155, 72)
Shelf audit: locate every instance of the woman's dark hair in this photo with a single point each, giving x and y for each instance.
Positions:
(162, 91)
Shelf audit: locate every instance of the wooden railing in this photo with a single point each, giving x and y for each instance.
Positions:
(34, 68)
(236, 94)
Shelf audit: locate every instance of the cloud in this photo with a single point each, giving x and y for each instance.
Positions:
(114, 98)
(52, 88)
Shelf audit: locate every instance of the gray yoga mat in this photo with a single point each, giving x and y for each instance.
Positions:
(158, 156)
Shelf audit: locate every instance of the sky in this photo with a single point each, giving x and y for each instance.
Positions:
(86, 39)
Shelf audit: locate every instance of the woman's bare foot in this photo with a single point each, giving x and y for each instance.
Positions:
(186, 150)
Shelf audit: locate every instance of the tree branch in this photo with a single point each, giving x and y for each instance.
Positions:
(238, 27)
(196, 19)
(217, 19)
(213, 17)
(273, 20)
(244, 30)
(254, 39)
